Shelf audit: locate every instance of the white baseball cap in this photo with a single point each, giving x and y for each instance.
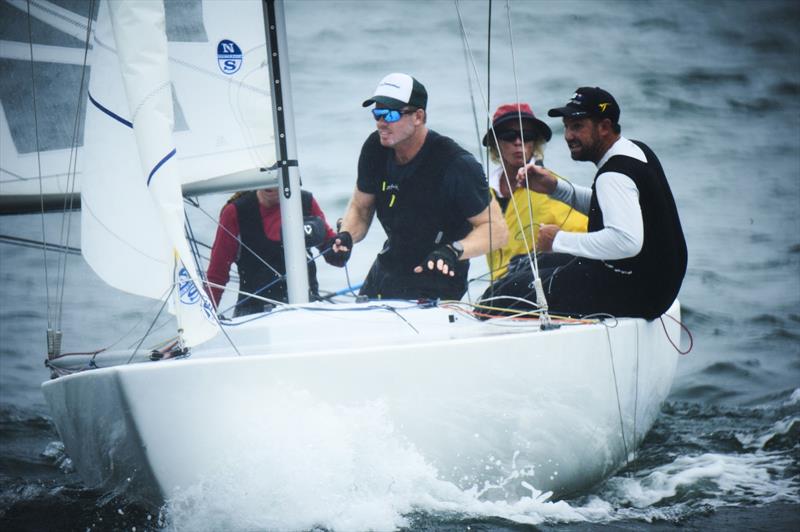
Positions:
(398, 90)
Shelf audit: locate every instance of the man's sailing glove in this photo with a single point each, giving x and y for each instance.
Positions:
(314, 229)
(340, 258)
(449, 255)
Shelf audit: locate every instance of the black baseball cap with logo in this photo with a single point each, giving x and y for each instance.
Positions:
(589, 102)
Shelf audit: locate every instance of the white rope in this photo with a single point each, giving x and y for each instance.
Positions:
(486, 106)
(540, 297)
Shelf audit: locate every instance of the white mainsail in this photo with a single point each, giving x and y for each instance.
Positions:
(136, 157)
(224, 133)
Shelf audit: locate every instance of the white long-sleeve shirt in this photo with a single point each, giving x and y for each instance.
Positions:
(618, 197)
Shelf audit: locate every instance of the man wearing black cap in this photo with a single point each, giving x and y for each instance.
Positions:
(633, 259)
(430, 196)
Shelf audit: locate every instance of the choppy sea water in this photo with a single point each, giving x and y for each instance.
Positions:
(713, 88)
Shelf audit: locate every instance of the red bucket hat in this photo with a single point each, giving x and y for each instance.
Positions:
(513, 111)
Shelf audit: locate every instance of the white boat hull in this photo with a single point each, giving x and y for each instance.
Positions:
(484, 405)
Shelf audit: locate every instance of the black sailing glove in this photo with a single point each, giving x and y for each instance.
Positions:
(339, 258)
(448, 254)
(314, 229)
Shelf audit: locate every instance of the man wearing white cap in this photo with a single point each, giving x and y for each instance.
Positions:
(430, 196)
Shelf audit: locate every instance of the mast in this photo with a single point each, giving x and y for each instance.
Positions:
(286, 151)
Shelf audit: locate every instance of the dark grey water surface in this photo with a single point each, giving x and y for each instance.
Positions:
(712, 87)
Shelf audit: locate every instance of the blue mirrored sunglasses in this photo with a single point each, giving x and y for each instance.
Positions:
(390, 115)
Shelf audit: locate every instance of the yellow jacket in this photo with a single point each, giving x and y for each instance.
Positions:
(545, 211)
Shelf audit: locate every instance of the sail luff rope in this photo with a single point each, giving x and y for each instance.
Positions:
(41, 188)
(72, 173)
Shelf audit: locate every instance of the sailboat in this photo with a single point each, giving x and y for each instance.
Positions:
(552, 409)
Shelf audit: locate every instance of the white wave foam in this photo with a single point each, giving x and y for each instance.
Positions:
(793, 399)
(713, 479)
(56, 452)
(756, 441)
(347, 469)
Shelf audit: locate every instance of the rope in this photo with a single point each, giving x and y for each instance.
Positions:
(616, 390)
(541, 299)
(684, 327)
(636, 389)
(152, 323)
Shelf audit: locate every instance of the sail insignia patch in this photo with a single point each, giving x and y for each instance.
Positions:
(229, 56)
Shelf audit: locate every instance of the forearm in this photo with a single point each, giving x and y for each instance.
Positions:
(573, 195)
(610, 243)
(489, 232)
(358, 217)
(623, 233)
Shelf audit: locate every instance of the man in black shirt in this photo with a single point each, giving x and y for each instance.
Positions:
(632, 260)
(431, 198)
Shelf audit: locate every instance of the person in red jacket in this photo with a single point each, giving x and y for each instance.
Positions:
(249, 234)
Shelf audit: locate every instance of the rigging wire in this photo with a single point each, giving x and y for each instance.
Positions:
(474, 110)
(72, 172)
(152, 323)
(484, 98)
(239, 240)
(534, 262)
(541, 300)
(41, 185)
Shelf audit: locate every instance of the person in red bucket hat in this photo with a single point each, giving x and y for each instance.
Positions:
(517, 137)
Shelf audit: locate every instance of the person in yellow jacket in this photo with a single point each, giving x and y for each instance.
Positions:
(516, 138)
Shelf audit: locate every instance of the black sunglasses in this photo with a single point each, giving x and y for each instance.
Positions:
(511, 135)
